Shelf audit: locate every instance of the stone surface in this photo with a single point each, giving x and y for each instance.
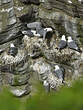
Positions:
(44, 65)
(15, 72)
(9, 27)
(42, 68)
(39, 56)
(16, 80)
(20, 91)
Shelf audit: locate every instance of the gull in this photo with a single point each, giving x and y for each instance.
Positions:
(12, 50)
(58, 72)
(63, 43)
(72, 44)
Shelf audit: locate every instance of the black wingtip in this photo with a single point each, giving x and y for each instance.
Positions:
(1, 51)
(80, 51)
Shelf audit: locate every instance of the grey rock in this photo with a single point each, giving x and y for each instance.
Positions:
(54, 81)
(62, 21)
(18, 80)
(34, 25)
(28, 17)
(41, 56)
(32, 46)
(42, 68)
(22, 91)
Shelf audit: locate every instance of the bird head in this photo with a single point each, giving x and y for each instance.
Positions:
(63, 38)
(35, 33)
(45, 83)
(70, 39)
(48, 29)
(24, 32)
(57, 67)
(12, 45)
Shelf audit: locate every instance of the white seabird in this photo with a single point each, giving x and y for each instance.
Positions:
(69, 1)
(46, 85)
(38, 30)
(35, 33)
(48, 29)
(13, 50)
(28, 32)
(42, 32)
(46, 32)
(72, 44)
(63, 43)
(58, 72)
(12, 45)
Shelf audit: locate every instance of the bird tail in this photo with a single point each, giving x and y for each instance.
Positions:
(80, 51)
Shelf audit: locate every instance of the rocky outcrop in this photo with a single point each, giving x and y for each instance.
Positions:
(9, 28)
(15, 72)
(46, 56)
(39, 56)
(61, 17)
(74, 9)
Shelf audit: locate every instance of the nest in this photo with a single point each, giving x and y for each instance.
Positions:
(8, 59)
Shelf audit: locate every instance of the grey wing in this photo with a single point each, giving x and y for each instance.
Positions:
(59, 74)
(73, 45)
(40, 31)
(44, 34)
(62, 44)
(29, 33)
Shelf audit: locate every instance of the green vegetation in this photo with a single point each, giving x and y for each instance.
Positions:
(8, 102)
(66, 99)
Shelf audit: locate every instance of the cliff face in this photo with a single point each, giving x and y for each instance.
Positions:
(7, 15)
(8, 23)
(61, 14)
(37, 57)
